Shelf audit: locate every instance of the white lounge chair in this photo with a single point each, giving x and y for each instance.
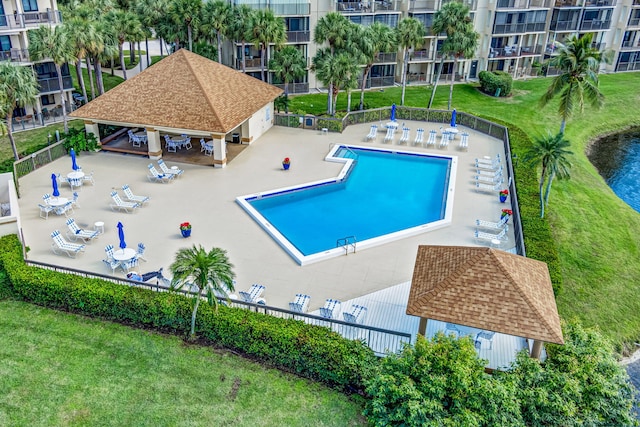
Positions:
(355, 314)
(132, 197)
(487, 160)
(373, 133)
(419, 137)
(431, 141)
(444, 140)
(330, 308)
(501, 236)
(118, 203)
(488, 187)
(76, 232)
(405, 136)
(493, 173)
(488, 166)
(165, 169)
(494, 225)
(156, 176)
(489, 179)
(59, 244)
(389, 136)
(464, 141)
(253, 293)
(301, 303)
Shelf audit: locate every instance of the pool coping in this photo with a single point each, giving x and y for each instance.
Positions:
(302, 259)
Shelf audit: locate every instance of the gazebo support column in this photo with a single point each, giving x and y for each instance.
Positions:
(422, 327)
(219, 150)
(92, 127)
(154, 145)
(536, 349)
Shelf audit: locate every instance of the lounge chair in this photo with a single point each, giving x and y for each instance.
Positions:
(59, 244)
(444, 140)
(489, 167)
(373, 133)
(493, 173)
(432, 138)
(389, 136)
(494, 225)
(419, 137)
(488, 187)
(165, 169)
(405, 136)
(355, 314)
(497, 179)
(301, 303)
(464, 141)
(76, 232)
(156, 176)
(487, 160)
(330, 308)
(118, 203)
(132, 197)
(483, 336)
(252, 294)
(44, 210)
(481, 235)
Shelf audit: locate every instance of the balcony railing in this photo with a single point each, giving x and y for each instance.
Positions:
(378, 82)
(29, 19)
(523, 4)
(386, 57)
(633, 22)
(291, 8)
(366, 6)
(15, 55)
(636, 3)
(630, 44)
(471, 4)
(519, 28)
(596, 24)
(423, 5)
(421, 55)
(568, 3)
(628, 66)
(599, 3)
(563, 25)
(298, 36)
(52, 85)
(296, 87)
(248, 63)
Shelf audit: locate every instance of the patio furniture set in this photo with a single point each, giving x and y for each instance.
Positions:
(167, 175)
(446, 136)
(172, 145)
(489, 178)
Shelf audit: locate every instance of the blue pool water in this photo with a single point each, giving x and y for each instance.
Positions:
(624, 180)
(384, 193)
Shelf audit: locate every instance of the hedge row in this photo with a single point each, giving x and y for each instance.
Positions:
(309, 351)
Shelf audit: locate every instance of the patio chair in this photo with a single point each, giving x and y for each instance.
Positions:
(112, 264)
(464, 141)
(76, 232)
(300, 304)
(206, 147)
(355, 314)
(496, 179)
(331, 306)
(252, 294)
(89, 178)
(46, 197)
(74, 201)
(186, 141)
(488, 187)
(405, 136)
(389, 136)
(109, 251)
(419, 137)
(165, 169)
(64, 209)
(432, 138)
(483, 336)
(452, 329)
(75, 183)
(501, 236)
(44, 210)
(59, 244)
(494, 225)
(373, 133)
(156, 176)
(119, 204)
(170, 144)
(132, 197)
(444, 140)
(140, 252)
(134, 139)
(129, 264)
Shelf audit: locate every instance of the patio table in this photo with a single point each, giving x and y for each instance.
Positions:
(124, 254)
(57, 201)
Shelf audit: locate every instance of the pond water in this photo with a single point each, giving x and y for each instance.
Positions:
(617, 158)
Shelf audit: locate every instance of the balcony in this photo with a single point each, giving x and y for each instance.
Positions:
(386, 57)
(636, 3)
(596, 24)
(279, 8)
(298, 36)
(519, 28)
(633, 22)
(628, 66)
(563, 25)
(350, 7)
(523, 4)
(424, 5)
(296, 87)
(29, 20)
(51, 84)
(630, 45)
(568, 3)
(248, 62)
(421, 55)
(15, 55)
(378, 82)
(471, 4)
(599, 3)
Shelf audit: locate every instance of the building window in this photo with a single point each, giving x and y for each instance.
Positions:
(5, 43)
(47, 99)
(30, 5)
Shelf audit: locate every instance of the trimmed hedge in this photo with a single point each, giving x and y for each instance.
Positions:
(491, 81)
(307, 350)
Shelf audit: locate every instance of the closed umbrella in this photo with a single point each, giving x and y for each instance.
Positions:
(393, 112)
(121, 235)
(54, 182)
(453, 118)
(74, 165)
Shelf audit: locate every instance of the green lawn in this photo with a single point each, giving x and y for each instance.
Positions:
(61, 369)
(596, 233)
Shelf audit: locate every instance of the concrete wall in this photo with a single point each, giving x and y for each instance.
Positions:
(260, 122)
(9, 224)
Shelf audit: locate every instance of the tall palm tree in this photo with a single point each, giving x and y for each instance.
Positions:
(124, 26)
(551, 153)
(410, 35)
(579, 64)
(209, 272)
(53, 43)
(373, 40)
(288, 64)
(333, 29)
(186, 13)
(19, 87)
(334, 69)
(241, 19)
(216, 22)
(454, 20)
(83, 37)
(149, 13)
(266, 28)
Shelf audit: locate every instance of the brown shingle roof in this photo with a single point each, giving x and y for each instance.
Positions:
(487, 289)
(183, 91)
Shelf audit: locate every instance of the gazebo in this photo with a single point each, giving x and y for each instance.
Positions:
(186, 94)
(485, 288)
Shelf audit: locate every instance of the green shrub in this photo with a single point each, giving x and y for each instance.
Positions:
(491, 81)
(310, 351)
(79, 140)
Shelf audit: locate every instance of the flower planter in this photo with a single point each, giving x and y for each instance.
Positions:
(286, 166)
(503, 198)
(185, 233)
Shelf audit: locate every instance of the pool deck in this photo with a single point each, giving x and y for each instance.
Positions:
(205, 196)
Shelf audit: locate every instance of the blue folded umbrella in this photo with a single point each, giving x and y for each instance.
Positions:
(74, 165)
(121, 235)
(54, 182)
(453, 118)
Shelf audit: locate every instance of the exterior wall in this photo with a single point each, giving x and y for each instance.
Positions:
(9, 224)
(260, 122)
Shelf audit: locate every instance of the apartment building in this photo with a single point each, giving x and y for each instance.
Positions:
(16, 18)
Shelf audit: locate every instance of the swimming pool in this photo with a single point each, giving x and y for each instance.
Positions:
(379, 196)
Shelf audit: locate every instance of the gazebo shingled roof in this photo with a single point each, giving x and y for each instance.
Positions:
(487, 289)
(183, 91)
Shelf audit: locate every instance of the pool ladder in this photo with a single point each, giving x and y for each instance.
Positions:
(347, 243)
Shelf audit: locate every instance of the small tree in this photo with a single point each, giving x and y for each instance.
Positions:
(288, 64)
(409, 35)
(204, 273)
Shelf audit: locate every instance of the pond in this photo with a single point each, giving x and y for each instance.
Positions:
(617, 158)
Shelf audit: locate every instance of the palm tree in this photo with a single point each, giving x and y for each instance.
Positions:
(454, 20)
(551, 152)
(186, 13)
(333, 29)
(210, 273)
(266, 28)
(332, 69)
(241, 19)
(19, 87)
(410, 35)
(81, 34)
(124, 26)
(216, 21)
(288, 64)
(52, 43)
(149, 13)
(373, 40)
(579, 64)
